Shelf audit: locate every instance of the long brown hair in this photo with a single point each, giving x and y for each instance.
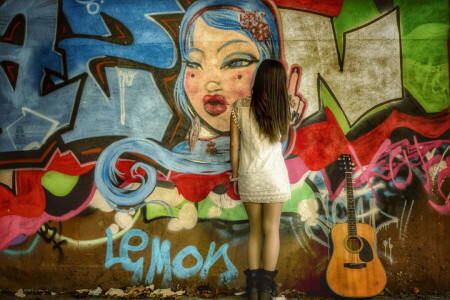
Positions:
(270, 102)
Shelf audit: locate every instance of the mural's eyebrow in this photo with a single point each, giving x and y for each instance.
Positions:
(194, 50)
(229, 43)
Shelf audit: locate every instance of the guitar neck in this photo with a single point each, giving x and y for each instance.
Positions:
(350, 205)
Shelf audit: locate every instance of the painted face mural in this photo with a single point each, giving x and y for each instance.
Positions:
(220, 66)
(98, 99)
(221, 44)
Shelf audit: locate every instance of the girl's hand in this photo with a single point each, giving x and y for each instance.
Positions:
(236, 187)
(296, 101)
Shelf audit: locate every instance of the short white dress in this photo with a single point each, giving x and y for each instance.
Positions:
(263, 176)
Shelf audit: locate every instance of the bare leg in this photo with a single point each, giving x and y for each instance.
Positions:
(271, 227)
(255, 238)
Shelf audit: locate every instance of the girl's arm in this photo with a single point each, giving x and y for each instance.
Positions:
(234, 150)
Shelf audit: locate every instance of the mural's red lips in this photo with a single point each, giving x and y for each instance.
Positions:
(215, 104)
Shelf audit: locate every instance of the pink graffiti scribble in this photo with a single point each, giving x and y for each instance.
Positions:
(402, 156)
(443, 209)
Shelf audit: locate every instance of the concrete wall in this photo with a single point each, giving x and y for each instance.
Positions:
(89, 87)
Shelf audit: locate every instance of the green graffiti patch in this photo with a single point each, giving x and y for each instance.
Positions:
(59, 184)
(425, 66)
(427, 44)
(414, 13)
(299, 194)
(428, 84)
(236, 213)
(155, 211)
(424, 29)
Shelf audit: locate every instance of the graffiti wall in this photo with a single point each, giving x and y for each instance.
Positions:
(114, 138)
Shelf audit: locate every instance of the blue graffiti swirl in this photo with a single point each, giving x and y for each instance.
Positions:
(107, 175)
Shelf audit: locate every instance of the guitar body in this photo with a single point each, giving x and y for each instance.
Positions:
(355, 270)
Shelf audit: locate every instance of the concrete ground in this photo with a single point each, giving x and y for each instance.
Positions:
(71, 297)
(4, 295)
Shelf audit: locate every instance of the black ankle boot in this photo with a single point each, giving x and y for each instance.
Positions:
(267, 285)
(251, 290)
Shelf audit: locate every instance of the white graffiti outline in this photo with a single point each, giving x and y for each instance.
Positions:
(125, 80)
(91, 3)
(26, 110)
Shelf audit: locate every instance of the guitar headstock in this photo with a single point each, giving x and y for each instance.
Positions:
(345, 163)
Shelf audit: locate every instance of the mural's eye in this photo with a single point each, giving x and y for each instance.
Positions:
(241, 61)
(193, 65)
(237, 63)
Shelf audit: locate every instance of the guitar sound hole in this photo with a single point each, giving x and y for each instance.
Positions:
(354, 244)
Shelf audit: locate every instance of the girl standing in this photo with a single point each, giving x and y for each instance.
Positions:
(259, 175)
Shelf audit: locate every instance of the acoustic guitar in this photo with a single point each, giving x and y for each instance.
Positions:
(354, 270)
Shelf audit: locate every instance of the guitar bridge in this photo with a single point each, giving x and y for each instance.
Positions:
(355, 266)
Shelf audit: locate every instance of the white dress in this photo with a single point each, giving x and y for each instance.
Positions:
(263, 176)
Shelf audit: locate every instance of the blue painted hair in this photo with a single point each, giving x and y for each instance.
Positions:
(222, 14)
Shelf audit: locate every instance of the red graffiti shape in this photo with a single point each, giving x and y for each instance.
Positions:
(327, 7)
(367, 145)
(124, 172)
(28, 199)
(321, 143)
(195, 187)
(12, 32)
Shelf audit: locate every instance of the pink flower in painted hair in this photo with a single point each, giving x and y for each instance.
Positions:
(253, 21)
